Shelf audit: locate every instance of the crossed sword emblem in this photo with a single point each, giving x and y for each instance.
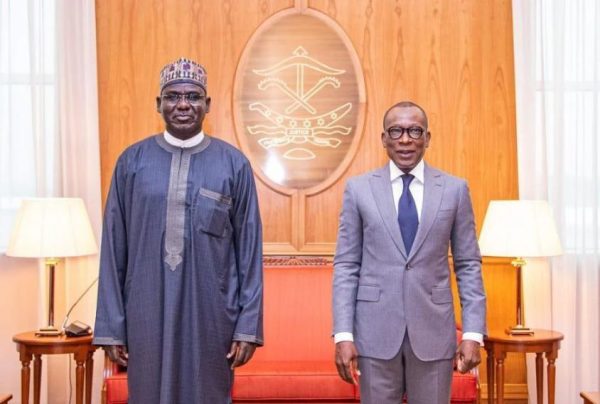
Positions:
(299, 60)
(289, 129)
(300, 100)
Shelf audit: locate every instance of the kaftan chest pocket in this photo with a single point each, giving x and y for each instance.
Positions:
(210, 213)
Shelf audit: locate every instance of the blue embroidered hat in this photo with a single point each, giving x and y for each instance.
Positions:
(183, 71)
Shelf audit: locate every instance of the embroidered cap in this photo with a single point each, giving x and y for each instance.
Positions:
(183, 71)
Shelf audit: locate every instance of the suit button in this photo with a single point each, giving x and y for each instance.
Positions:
(407, 267)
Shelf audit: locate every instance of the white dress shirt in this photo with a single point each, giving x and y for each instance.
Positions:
(416, 189)
(416, 185)
(184, 144)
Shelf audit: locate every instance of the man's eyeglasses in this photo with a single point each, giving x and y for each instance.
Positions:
(396, 132)
(190, 98)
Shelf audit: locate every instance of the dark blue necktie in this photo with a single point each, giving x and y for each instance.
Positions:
(407, 213)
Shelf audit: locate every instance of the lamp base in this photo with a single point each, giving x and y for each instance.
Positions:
(49, 331)
(519, 330)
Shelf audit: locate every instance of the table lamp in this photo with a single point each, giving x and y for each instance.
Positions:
(519, 229)
(51, 228)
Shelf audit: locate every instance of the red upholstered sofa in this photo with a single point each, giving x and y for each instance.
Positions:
(296, 364)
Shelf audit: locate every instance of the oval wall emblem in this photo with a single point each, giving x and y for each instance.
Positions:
(299, 100)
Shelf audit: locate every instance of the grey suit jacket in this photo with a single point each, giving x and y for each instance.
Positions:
(380, 292)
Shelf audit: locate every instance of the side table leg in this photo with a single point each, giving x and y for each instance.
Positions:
(25, 375)
(490, 376)
(539, 377)
(89, 373)
(500, 377)
(79, 382)
(551, 358)
(37, 378)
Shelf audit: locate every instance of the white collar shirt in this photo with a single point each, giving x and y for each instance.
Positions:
(184, 144)
(416, 186)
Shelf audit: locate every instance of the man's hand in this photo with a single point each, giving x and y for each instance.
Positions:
(241, 352)
(467, 356)
(117, 354)
(346, 361)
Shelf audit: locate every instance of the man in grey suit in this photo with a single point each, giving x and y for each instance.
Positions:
(392, 302)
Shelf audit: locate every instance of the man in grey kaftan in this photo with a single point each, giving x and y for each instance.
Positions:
(180, 292)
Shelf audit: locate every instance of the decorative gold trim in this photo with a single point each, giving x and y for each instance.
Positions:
(293, 260)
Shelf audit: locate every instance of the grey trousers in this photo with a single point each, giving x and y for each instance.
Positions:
(386, 381)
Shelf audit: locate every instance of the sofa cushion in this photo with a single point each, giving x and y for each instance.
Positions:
(464, 388)
(308, 380)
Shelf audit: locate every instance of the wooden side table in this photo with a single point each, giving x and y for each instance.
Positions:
(590, 397)
(29, 345)
(497, 344)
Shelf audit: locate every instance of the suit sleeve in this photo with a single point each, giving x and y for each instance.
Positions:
(111, 327)
(347, 263)
(467, 265)
(248, 251)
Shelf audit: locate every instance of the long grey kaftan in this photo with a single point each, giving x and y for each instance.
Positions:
(180, 268)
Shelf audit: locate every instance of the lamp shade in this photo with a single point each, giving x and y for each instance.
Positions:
(52, 228)
(519, 229)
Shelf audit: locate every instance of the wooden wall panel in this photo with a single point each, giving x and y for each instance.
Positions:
(454, 58)
(500, 284)
(135, 38)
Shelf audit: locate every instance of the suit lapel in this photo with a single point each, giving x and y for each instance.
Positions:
(381, 187)
(432, 197)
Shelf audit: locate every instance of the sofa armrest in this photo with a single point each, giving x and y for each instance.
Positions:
(111, 369)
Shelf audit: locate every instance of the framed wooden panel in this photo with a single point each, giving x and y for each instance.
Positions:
(299, 102)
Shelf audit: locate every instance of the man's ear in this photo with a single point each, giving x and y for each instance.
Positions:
(207, 104)
(383, 139)
(427, 138)
(158, 100)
